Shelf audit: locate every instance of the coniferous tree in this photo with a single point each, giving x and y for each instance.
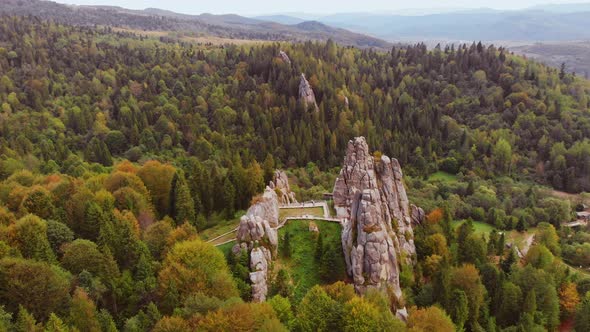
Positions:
(286, 245)
(229, 197)
(521, 225)
(459, 311)
(509, 261)
(25, 322)
(182, 205)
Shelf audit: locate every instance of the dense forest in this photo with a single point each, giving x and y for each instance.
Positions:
(118, 150)
(70, 90)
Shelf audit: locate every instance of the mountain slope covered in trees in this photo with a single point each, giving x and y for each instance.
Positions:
(87, 93)
(151, 19)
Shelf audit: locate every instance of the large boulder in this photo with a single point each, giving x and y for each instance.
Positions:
(266, 207)
(253, 229)
(377, 234)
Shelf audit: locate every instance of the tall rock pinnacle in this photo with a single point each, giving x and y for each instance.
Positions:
(306, 94)
(377, 235)
(280, 184)
(257, 235)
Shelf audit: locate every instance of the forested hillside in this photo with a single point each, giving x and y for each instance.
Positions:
(118, 151)
(78, 92)
(176, 25)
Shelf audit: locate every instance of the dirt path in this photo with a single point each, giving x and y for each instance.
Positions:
(527, 244)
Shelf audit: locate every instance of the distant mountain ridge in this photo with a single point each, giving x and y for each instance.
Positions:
(153, 19)
(553, 22)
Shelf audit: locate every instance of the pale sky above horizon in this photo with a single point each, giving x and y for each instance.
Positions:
(259, 7)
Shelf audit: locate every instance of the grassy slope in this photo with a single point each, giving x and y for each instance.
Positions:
(219, 229)
(302, 266)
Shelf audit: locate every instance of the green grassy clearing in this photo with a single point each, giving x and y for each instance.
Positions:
(513, 236)
(219, 229)
(312, 211)
(302, 265)
(480, 227)
(442, 176)
(226, 248)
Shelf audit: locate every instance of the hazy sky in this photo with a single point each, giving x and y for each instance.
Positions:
(254, 7)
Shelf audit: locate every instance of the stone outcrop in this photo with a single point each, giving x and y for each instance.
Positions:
(285, 57)
(260, 259)
(266, 207)
(306, 94)
(280, 184)
(418, 215)
(254, 230)
(257, 234)
(377, 235)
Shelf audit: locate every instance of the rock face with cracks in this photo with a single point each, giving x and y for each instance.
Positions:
(280, 184)
(260, 259)
(306, 94)
(257, 234)
(266, 207)
(285, 57)
(377, 235)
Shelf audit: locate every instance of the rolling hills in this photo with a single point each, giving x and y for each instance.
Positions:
(151, 19)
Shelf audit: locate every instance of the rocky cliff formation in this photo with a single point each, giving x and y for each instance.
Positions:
(306, 94)
(257, 235)
(280, 184)
(285, 57)
(377, 235)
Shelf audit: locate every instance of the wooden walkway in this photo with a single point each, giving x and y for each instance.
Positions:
(336, 220)
(313, 204)
(579, 222)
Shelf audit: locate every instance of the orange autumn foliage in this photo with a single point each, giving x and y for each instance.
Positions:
(126, 167)
(569, 298)
(435, 216)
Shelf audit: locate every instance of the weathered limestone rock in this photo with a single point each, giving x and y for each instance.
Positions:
(418, 215)
(260, 258)
(257, 234)
(285, 57)
(266, 207)
(306, 93)
(280, 184)
(377, 235)
(254, 229)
